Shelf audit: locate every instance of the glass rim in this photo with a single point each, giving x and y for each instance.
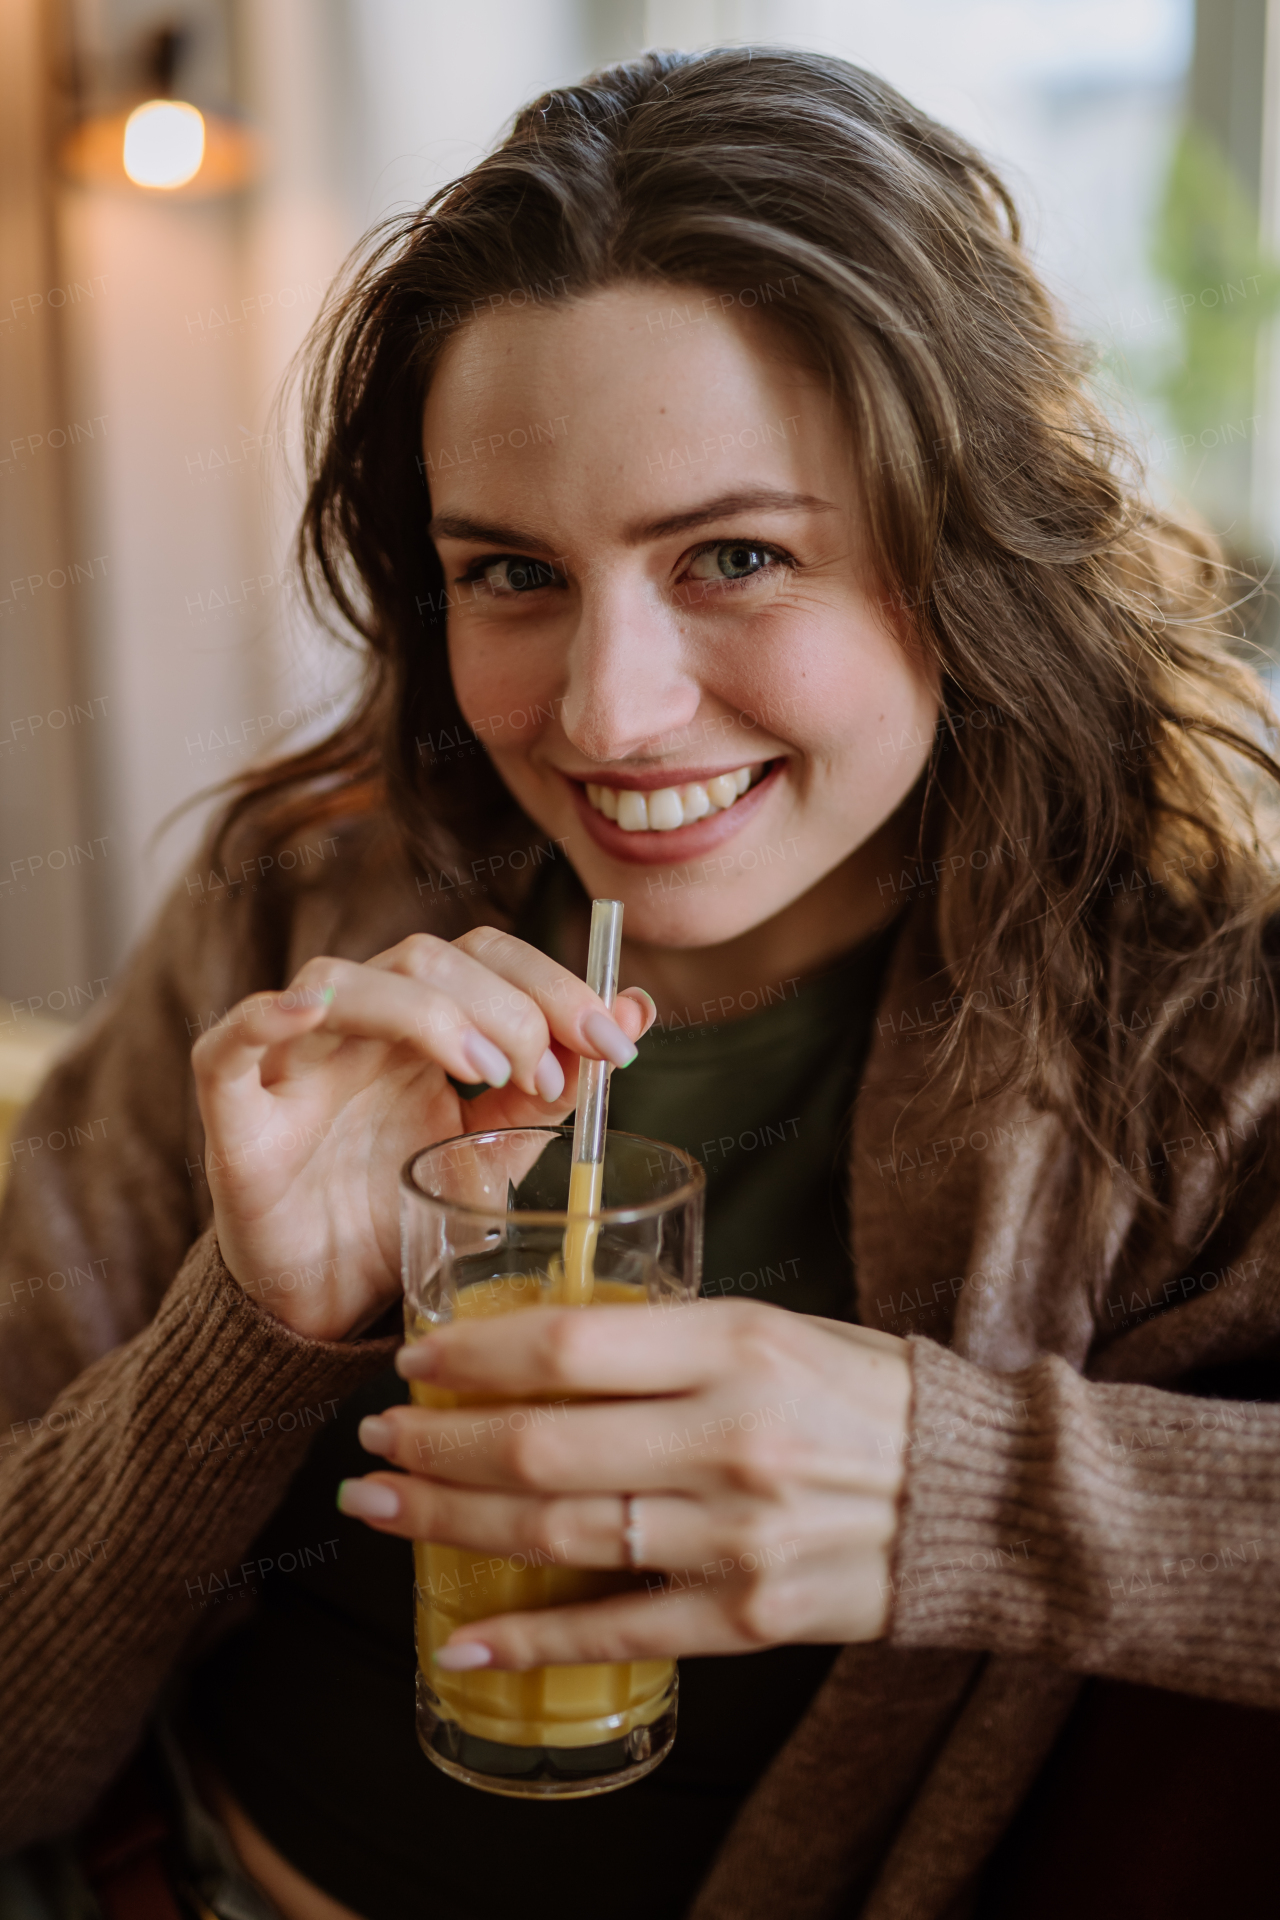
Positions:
(693, 1185)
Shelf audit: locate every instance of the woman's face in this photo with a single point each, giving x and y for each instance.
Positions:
(659, 592)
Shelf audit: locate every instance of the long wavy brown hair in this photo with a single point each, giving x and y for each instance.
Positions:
(1095, 844)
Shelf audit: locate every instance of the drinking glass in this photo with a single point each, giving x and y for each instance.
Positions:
(483, 1221)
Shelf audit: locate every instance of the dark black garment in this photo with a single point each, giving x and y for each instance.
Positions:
(309, 1711)
(309, 1714)
(1100, 1834)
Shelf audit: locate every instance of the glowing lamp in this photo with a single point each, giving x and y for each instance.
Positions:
(163, 143)
(222, 154)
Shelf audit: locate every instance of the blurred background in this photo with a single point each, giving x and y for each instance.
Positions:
(151, 640)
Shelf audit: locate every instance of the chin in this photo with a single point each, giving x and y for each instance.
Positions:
(665, 910)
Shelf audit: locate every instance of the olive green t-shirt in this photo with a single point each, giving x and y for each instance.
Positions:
(763, 1099)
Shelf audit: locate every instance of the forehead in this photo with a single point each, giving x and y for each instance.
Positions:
(657, 390)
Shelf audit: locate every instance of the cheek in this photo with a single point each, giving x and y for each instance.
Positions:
(896, 708)
(474, 674)
(862, 706)
(506, 695)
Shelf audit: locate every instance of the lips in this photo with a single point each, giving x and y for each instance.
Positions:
(666, 846)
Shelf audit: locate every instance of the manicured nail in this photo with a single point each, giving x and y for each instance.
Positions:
(548, 1077)
(375, 1434)
(467, 1655)
(608, 1039)
(300, 1000)
(650, 1004)
(417, 1361)
(489, 1061)
(368, 1500)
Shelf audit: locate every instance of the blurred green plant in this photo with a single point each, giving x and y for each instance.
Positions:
(1206, 250)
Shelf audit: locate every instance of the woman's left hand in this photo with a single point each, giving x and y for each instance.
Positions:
(762, 1450)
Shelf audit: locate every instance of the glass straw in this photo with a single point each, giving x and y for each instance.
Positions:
(586, 1174)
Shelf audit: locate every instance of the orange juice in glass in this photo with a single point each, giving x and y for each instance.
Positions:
(484, 1222)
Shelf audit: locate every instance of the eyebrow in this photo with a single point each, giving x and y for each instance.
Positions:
(745, 500)
(454, 526)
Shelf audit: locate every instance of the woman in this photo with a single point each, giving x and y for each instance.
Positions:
(714, 494)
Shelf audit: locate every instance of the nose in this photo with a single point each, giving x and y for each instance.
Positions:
(629, 681)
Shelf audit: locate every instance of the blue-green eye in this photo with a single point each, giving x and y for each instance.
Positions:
(506, 574)
(733, 560)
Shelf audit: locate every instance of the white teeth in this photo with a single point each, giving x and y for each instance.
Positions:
(667, 808)
(633, 810)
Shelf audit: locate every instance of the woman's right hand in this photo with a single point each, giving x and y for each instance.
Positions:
(313, 1099)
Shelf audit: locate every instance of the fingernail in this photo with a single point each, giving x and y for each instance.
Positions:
(368, 1500)
(376, 1435)
(608, 1039)
(464, 1657)
(489, 1061)
(548, 1077)
(651, 1005)
(417, 1361)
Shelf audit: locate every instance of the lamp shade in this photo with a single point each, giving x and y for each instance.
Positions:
(164, 147)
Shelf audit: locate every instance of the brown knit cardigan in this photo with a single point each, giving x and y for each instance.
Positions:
(1070, 1507)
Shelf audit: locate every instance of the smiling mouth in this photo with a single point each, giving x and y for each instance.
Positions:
(664, 809)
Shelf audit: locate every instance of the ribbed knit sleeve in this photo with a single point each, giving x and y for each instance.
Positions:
(129, 1500)
(1116, 1530)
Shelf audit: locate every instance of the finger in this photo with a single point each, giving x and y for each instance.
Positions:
(524, 1003)
(510, 1106)
(560, 1448)
(381, 1003)
(574, 1014)
(234, 1046)
(660, 1347)
(634, 998)
(495, 1006)
(663, 1622)
(226, 1060)
(565, 1001)
(579, 1533)
(672, 1533)
(426, 991)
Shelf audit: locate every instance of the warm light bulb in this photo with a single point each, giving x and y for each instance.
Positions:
(163, 143)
